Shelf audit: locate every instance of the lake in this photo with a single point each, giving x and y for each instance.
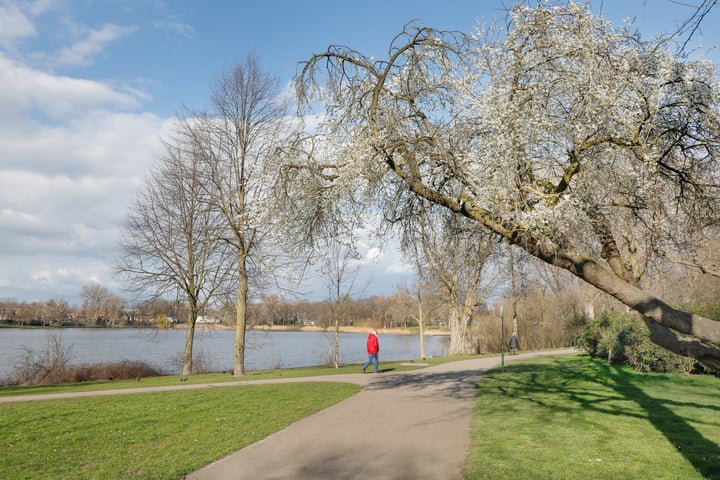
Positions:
(213, 349)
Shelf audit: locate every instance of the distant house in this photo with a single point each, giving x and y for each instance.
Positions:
(202, 319)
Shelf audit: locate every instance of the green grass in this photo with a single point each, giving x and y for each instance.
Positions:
(213, 378)
(565, 417)
(572, 417)
(151, 435)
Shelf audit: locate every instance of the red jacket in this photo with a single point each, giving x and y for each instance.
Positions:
(372, 344)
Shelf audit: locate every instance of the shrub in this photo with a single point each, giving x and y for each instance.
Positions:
(624, 338)
(123, 370)
(51, 366)
(647, 357)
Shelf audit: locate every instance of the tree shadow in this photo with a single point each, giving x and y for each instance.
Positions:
(454, 384)
(627, 400)
(677, 430)
(386, 370)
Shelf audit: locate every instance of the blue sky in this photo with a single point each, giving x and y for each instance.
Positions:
(89, 87)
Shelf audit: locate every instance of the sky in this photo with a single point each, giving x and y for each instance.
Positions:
(88, 88)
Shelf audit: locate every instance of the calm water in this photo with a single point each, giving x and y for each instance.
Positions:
(213, 349)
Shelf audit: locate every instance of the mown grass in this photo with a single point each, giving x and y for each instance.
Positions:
(215, 378)
(150, 435)
(572, 417)
(568, 417)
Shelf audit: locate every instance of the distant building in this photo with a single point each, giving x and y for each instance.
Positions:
(202, 319)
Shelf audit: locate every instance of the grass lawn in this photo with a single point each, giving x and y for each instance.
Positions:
(161, 435)
(572, 417)
(214, 378)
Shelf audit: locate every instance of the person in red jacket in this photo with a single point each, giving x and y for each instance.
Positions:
(373, 348)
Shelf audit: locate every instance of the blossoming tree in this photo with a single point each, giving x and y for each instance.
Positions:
(590, 148)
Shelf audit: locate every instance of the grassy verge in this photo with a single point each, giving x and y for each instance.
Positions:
(153, 435)
(579, 418)
(215, 378)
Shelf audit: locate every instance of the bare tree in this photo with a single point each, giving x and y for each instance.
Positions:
(171, 243)
(57, 310)
(238, 137)
(99, 302)
(589, 148)
(418, 301)
(340, 269)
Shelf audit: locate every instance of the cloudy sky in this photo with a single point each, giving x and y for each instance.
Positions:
(89, 87)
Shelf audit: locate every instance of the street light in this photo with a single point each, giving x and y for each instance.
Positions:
(502, 339)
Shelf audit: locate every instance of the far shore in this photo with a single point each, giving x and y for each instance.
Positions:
(274, 328)
(315, 328)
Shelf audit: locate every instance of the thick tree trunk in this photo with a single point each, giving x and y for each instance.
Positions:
(189, 338)
(241, 320)
(458, 332)
(662, 320)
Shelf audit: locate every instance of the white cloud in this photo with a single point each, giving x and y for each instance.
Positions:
(38, 7)
(74, 152)
(84, 51)
(399, 267)
(15, 25)
(175, 26)
(33, 94)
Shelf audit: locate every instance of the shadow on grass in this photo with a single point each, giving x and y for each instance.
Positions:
(697, 449)
(624, 386)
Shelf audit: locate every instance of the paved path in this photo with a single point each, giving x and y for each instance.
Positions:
(401, 426)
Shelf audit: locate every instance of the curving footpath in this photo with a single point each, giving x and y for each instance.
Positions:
(400, 426)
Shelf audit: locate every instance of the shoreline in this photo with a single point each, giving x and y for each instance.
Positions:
(315, 328)
(264, 328)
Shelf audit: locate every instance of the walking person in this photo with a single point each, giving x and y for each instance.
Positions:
(373, 348)
(514, 344)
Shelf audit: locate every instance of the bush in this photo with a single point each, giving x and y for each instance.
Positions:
(52, 366)
(624, 338)
(123, 370)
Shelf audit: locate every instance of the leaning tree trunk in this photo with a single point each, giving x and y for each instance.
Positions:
(665, 323)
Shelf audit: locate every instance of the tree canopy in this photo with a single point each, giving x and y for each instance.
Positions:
(591, 148)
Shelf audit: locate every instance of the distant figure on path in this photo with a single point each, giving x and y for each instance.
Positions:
(373, 348)
(514, 344)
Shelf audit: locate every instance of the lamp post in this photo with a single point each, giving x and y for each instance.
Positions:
(502, 339)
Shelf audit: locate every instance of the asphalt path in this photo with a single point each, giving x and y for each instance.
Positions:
(408, 425)
(400, 426)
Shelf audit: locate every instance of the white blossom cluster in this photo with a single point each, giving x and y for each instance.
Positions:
(554, 128)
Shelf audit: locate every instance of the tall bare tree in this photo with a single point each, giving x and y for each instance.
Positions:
(171, 244)
(418, 300)
(238, 136)
(100, 304)
(591, 149)
(340, 269)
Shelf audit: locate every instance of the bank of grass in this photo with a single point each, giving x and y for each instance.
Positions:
(150, 435)
(167, 380)
(573, 417)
